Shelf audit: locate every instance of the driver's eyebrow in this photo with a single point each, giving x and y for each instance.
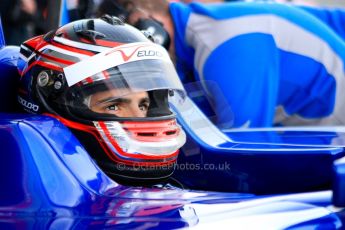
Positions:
(145, 100)
(112, 100)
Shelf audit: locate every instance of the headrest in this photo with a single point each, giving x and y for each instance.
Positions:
(9, 78)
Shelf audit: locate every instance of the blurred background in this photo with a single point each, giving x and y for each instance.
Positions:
(340, 3)
(23, 19)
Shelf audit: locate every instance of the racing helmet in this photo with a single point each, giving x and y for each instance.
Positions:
(85, 74)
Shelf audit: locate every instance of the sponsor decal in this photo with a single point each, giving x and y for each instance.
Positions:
(116, 56)
(31, 107)
(149, 53)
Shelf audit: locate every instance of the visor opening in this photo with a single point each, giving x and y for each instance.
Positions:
(171, 132)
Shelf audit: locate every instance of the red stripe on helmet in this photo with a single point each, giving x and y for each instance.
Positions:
(84, 40)
(108, 43)
(89, 80)
(41, 63)
(63, 61)
(72, 49)
(106, 74)
(36, 42)
(100, 42)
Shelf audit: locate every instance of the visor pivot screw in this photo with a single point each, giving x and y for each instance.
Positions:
(57, 85)
(60, 76)
(171, 93)
(43, 79)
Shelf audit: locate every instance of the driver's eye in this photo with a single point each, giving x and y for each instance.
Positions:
(112, 107)
(144, 107)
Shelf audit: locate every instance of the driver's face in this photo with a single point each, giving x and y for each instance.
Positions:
(131, 105)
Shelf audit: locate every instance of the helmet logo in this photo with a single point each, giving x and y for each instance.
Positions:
(114, 57)
(149, 53)
(28, 105)
(124, 56)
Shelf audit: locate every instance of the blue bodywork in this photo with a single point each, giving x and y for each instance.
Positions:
(275, 178)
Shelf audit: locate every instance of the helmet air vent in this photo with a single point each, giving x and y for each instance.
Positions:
(90, 35)
(112, 20)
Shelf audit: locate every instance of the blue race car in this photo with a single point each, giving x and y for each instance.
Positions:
(277, 178)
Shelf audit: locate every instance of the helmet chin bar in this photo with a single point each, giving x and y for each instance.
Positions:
(137, 168)
(151, 139)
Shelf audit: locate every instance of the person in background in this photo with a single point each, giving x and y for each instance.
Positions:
(80, 9)
(18, 17)
(275, 64)
(23, 19)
